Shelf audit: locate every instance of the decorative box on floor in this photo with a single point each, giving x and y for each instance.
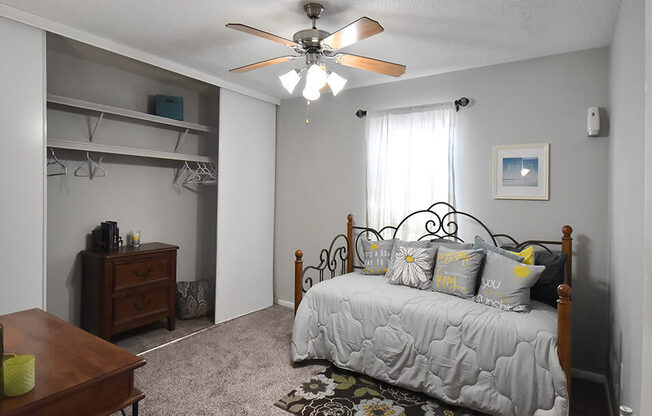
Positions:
(128, 288)
(193, 299)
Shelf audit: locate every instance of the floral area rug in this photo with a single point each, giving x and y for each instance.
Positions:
(337, 392)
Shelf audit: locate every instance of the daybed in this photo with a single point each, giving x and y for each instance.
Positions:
(461, 352)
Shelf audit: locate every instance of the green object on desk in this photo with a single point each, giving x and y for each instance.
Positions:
(19, 374)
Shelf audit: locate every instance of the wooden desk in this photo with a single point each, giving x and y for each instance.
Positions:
(76, 373)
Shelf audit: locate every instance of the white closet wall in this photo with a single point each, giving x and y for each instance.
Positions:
(245, 213)
(22, 163)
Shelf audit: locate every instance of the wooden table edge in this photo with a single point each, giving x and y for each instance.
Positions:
(138, 396)
(60, 395)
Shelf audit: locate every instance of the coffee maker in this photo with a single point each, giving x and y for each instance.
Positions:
(106, 237)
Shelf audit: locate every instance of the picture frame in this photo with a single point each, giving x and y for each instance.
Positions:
(521, 171)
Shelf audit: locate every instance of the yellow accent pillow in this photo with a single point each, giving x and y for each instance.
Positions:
(528, 255)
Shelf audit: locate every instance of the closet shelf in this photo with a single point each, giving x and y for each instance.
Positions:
(128, 151)
(131, 114)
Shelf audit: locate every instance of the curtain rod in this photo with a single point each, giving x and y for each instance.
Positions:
(462, 102)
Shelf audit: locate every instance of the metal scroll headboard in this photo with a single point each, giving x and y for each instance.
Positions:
(441, 220)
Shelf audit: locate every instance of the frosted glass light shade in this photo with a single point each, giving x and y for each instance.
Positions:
(336, 82)
(290, 80)
(311, 94)
(316, 77)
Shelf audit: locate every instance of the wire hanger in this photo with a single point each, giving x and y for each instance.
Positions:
(204, 174)
(92, 168)
(53, 160)
(102, 172)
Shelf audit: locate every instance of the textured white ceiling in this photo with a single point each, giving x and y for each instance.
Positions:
(429, 36)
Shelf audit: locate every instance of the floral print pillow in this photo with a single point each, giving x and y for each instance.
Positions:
(412, 266)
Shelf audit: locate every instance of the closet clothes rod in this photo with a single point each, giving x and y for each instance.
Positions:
(127, 151)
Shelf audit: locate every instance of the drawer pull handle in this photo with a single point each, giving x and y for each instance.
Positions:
(143, 274)
(144, 304)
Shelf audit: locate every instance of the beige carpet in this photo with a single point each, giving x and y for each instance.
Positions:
(149, 336)
(241, 367)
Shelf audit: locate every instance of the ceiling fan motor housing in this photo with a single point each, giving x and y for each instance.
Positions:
(310, 38)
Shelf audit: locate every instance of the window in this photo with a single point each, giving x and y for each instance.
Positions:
(409, 163)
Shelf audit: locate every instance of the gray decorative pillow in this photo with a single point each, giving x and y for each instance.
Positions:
(193, 299)
(506, 283)
(398, 244)
(413, 266)
(456, 271)
(376, 256)
(480, 243)
(545, 290)
(439, 242)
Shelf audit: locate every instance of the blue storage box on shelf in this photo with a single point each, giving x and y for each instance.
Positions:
(169, 106)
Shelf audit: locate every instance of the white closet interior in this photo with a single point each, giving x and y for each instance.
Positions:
(102, 103)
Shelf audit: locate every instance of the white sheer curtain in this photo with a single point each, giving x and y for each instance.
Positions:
(409, 163)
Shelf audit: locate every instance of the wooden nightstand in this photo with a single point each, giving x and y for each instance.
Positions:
(128, 288)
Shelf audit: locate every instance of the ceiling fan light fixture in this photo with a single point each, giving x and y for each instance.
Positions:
(290, 80)
(316, 77)
(311, 94)
(336, 82)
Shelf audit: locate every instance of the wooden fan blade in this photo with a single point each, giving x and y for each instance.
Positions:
(362, 28)
(262, 64)
(370, 64)
(261, 33)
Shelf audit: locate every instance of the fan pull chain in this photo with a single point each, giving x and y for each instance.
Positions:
(307, 108)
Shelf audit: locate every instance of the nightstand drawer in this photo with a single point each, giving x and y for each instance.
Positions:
(143, 271)
(132, 307)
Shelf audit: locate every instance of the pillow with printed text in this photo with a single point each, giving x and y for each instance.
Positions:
(376, 256)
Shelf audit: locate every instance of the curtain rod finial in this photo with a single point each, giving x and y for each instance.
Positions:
(462, 102)
(361, 113)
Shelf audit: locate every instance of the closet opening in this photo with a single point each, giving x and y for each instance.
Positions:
(113, 159)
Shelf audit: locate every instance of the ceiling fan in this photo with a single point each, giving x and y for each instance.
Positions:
(318, 45)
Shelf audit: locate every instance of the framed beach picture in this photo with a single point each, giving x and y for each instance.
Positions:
(521, 171)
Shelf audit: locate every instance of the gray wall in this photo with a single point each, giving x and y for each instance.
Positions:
(22, 121)
(626, 202)
(321, 168)
(137, 192)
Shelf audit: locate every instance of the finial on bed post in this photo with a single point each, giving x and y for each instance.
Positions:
(298, 277)
(567, 247)
(564, 325)
(349, 236)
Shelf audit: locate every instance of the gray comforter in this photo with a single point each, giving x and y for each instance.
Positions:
(456, 350)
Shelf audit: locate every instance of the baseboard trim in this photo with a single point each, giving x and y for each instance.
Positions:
(596, 378)
(285, 303)
(241, 315)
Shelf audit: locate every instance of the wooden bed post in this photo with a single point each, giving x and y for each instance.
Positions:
(298, 277)
(564, 320)
(564, 332)
(567, 247)
(349, 236)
